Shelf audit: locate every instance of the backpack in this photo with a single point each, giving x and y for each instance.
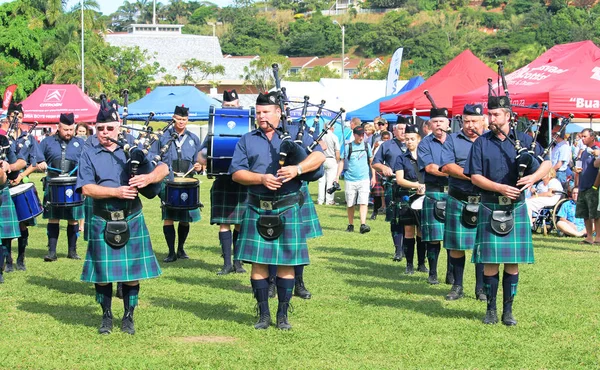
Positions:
(366, 151)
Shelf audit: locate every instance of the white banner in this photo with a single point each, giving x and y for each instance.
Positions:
(392, 87)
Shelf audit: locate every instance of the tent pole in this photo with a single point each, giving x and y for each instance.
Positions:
(82, 52)
(549, 127)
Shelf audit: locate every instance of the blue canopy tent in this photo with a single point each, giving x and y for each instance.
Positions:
(371, 110)
(163, 99)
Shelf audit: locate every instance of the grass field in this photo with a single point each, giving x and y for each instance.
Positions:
(365, 313)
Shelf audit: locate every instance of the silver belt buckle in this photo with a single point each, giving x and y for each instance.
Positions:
(473, 199)
(504, 201)
(444, 189)
(117, 215)
(266, 205)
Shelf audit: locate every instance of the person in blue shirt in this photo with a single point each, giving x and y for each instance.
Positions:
(460, 227)
(182, 157)
(503, 227)
(586, 183)
(119, 247)
(383, 163)
(272, 228)
(358, 178)
(561, 157)
(567, 222)
(436, 190)
(61, 157)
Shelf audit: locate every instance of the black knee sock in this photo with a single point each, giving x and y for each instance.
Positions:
(284, 294)
(409, 250)
(421, 251)
(490, 284)
(130, 296)
(478, 276)
(182, 233)
(376, 204)
(449, 267)
(169, 232)
(72, 231)
(509, 290)
(53, 232)
(458, 266)
(398, 237)
(225, 239)
(235, 246)
(272, 272)
(8, 252)
(433, 253)
(22, 244)
(104, 296)
(298, 271)
(2, 253)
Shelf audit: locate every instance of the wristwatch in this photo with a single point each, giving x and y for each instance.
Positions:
(299, 169)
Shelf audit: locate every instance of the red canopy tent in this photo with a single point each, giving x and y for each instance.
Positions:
(567, 77)
(47, 103)
(462, 74)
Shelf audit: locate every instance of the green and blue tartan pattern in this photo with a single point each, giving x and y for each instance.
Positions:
(9, 227)
(457, 236)
(432, 230)
(227, 201)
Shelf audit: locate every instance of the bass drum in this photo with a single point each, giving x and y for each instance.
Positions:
(225, 128)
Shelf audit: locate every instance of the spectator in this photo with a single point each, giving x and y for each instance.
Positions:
(561, 156)
(358, 185)
(586, 180)
(83, 130)
(332, 159)
(543, 195)
(369, 134)
(567, 222)
(377, 192)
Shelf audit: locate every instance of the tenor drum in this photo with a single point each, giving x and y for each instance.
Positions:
(225, 128)
(61, 192)
(26, 200)
(182, 193)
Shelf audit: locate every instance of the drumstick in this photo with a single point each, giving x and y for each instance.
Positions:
(190, 171)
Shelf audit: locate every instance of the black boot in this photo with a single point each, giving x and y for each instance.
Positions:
(183, 229)
(104, 298)
(225, 240)
(491, 317)
(282, 318)
(107, 323)
(9, 264)
(130, 300)
(260, 291)
(508, 318)
(22, 243)
(300, 290)
(72, 231)
(53, 231)
(284, 294)
(455, 293)
(127, 322)
(264, 316)
(237, 265)
(169, 232)
(227, 269)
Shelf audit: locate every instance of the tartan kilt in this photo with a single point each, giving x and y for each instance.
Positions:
(310, 219)
(135, 261)
(88, 207)
(515, 247)
(173, 214)
(457, 236)
(9, 227)
(377, 190)
(227, 201)
(61, 213)
(288, 250)
(432, 230)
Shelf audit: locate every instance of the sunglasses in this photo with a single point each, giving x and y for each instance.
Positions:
(381, 124)
(107, 128)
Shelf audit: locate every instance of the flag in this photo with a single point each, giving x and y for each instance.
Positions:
(7, 98)
(391, 86)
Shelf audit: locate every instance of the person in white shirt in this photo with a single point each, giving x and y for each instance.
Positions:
(543, 194)
(332, 158)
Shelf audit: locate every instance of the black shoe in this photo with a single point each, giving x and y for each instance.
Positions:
(172, 257)
(73, 255)
(449, 278)
(410, 270)
(21, 265)
(480, 295)
(508, 319)
(9, 267)
(282, 323)
(182, 255)
(272, 290)
(51, 257)
(350, 229)
(237, 265)
(456, 292)
(364, 228)
(491, 317)
(432, 279)
(422, 268)
(107, 323)
(119, 290)
(264, 317)
(398, 256)
(226, 270)
(127, 323)
(374, 215)
(300, 290)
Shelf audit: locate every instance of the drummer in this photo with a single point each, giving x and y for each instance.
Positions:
(181, 158)
(227, 202)
(61, 157)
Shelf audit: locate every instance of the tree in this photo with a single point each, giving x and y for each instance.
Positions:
(313, 74)
(260, 71)
(192, 67)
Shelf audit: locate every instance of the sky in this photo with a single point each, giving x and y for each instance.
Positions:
(110, 6)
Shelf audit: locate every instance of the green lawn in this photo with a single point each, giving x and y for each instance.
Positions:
(365, 313)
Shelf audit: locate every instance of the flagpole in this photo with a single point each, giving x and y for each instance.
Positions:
(82, 52)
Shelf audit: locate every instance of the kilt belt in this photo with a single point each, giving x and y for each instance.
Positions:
(436, 188)
(496, 198)
(269, 205)
(465, 197)
(120, 214)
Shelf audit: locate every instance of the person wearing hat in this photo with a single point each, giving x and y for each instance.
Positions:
(182, 158)
(503, 227)
(272, 227)
(28, 150)
(227, 203)
(61, 157)
(436, 184)
(462, 204)
(113, 254)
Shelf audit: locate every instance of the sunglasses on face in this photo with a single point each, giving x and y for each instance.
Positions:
(107, 128)
(381, 124)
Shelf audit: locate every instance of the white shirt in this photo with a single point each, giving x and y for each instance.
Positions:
(333, 144)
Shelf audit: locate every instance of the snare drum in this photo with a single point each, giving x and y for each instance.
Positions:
(61, 192)
(416, 203)
(26, 200)
(182, 193)
(225, 128)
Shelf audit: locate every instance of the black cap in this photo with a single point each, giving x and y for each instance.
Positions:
(15, 108)
(402, 120)
(181, 111)
(439, 112)
(411, 129)
(107, 115)
(473, 110)
(67, 119)
(358, 130)
(495, 102)
(271, 98)
(230, 95)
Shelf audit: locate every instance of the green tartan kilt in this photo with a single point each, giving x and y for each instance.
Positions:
(173, 214)
(227, 201)
(135, 261)
(88, 207)
(432, 230)
(288, 250)
(310, 219)
(457, 236)
(9, 226)
(515, 247)
(61, 213)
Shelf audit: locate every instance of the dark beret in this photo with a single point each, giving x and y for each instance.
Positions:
(473, 110)
(15, 108)
(402, 119)
(107, 115)
(411, 129)
(181, 111)
(495, 102)
(67, 119)
(438, 112)
(230, 95)
(271, 98)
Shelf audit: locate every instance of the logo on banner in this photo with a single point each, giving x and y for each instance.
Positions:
(596, 75)
(54, 96)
